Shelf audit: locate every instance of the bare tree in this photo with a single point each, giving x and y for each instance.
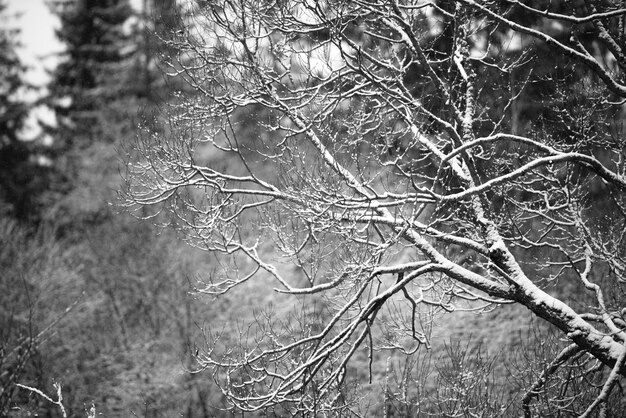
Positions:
(397, 158)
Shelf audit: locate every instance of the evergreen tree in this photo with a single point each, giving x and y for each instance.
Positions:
(91, 92)
(21, 178)
(159, 20)
(12, 111)
(92, 72)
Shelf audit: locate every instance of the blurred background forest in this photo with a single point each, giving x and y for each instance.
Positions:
(91, 299)
(103, 304)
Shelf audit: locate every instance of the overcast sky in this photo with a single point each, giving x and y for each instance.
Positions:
(39, 51)
(39, 43)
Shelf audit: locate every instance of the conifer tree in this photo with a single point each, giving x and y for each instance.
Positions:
(17, 172)
(92, 72)
(159, 20)
(89, 94)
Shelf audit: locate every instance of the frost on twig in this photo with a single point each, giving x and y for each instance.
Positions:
(396, 160)
(90, 413)
(58, 402)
